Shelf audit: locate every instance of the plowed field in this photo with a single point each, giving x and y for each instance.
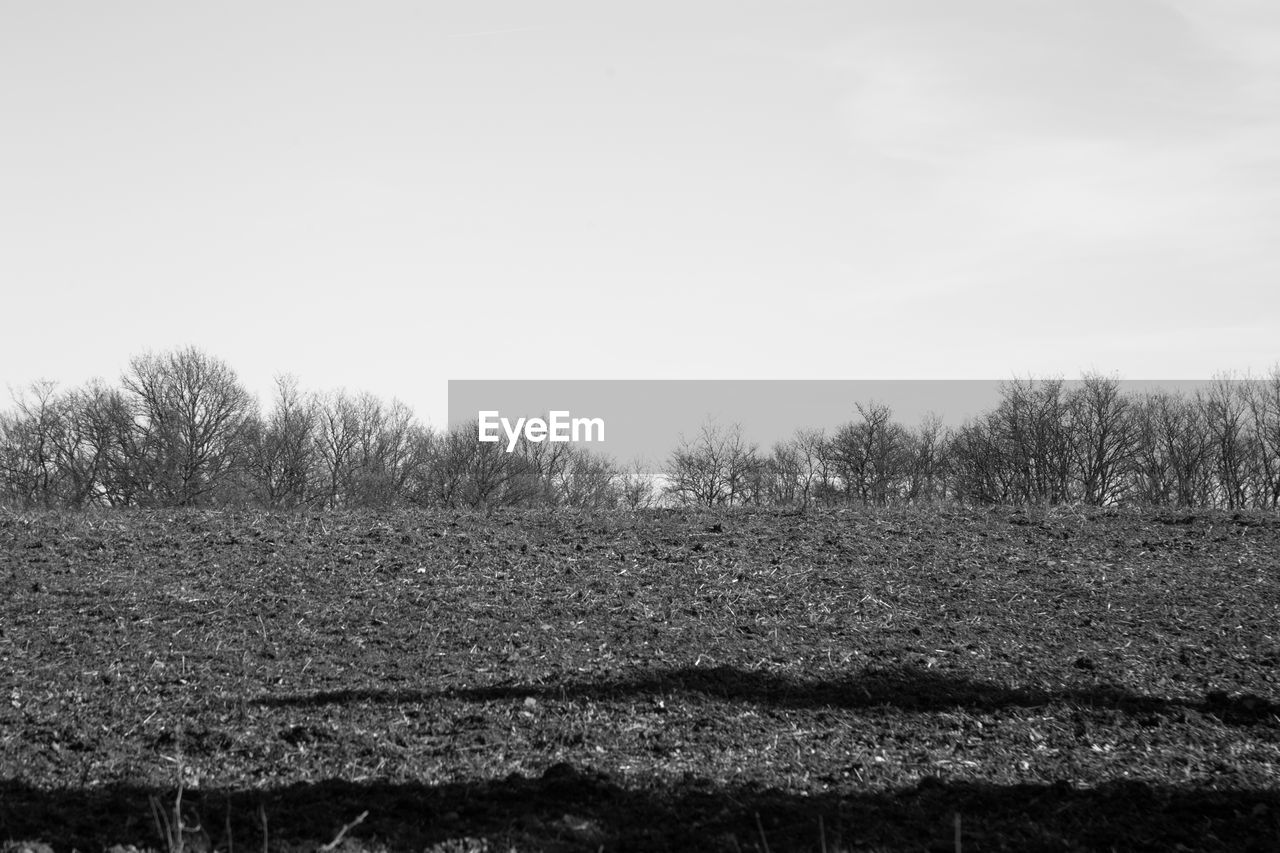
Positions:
(893, 680)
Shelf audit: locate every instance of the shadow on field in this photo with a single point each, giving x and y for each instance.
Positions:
(906, 688)
(572, 809)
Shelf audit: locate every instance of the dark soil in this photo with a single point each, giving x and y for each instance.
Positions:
(1061, 680)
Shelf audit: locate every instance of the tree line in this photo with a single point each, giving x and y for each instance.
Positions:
(1045, 442)
(179, 429)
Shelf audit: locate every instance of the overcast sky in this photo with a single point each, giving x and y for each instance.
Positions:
(388, 195)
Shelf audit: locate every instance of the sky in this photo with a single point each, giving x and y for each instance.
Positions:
(385, 196)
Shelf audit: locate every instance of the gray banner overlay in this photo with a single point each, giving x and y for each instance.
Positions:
(644, 419)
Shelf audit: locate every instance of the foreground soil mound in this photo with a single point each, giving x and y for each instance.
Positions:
(893, 680)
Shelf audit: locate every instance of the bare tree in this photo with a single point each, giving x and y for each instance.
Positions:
(282, 453)
(84, 443)
(1264, 411)
(636, 486)
(547, 465)
(978, 469)
(695, 472)
(587, 481)
(442, 481)
(1173, 451)
(815, 471)
(781, 473)
(870, 456)
(1031, 430)
(28, 450)
(370, 452)
(714, 469)
(337, 435)
(1224, 414)
(1152, 478)
(741, 468)
(462, 471)
(1103, 438)
(388, 449)
(108, 422)
(496, 477)
(790, 475)
(926, 475)
(191, 413)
